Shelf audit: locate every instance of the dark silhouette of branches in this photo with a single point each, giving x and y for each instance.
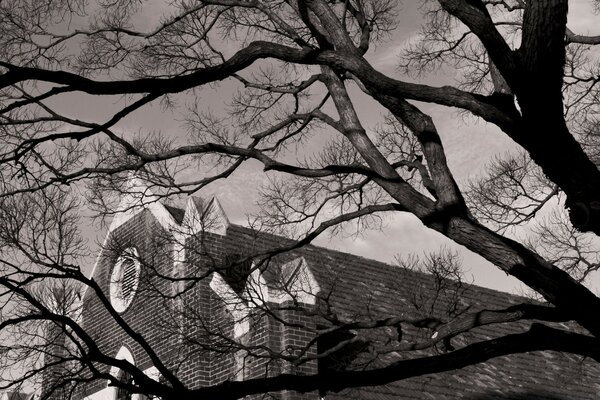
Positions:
(290, 72)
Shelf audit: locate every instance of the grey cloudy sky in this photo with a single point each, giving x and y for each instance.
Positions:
(469, 144)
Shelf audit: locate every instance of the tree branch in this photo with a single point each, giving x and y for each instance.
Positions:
(539, 337)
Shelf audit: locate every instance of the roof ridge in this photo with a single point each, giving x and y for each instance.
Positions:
(490, 291)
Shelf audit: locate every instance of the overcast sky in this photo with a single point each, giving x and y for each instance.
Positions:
(469, 146)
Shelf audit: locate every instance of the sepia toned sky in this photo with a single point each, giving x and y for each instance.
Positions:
(469, 145)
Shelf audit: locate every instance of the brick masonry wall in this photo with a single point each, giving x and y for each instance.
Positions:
(208, 252)
(192, 332)
(193, 350)
(56, 351)
(149, 313)
(223, 346)
(296, 333)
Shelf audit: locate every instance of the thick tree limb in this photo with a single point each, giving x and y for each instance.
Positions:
(475, 16)
(481, 106)
(572, 37)
(535, 75)
(510, 256)
(446, 189)
(462, 324)
(538, 338)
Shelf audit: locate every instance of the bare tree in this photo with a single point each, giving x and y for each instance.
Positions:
(293, 66)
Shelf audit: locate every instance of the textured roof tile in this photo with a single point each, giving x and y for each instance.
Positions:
(356, 287)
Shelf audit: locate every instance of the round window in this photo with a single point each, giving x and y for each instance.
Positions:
(124, 279)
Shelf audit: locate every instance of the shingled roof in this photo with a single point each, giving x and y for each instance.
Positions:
(359, 288)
